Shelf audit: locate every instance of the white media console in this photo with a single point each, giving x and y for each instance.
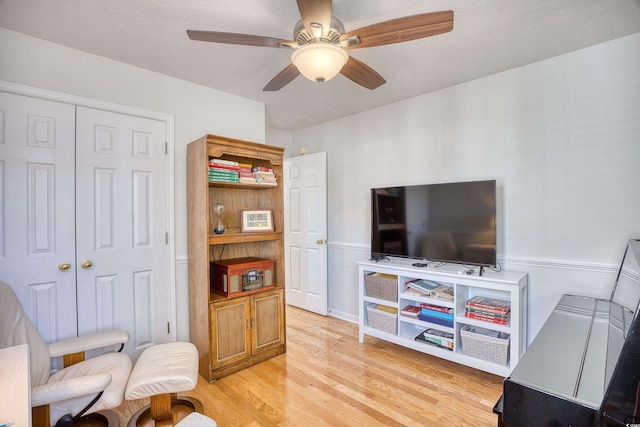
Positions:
(506, 286)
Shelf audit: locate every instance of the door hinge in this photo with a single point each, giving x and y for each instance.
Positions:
(166, 148)
(166, 238)
(168, 327)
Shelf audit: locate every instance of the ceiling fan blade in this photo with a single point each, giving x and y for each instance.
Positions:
(403, 29)
(362, 74)
(282, 79)
(316, 15)
(234, 38)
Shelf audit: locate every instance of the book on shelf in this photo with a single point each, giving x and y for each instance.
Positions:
(436, 308)
(487, 313)
(411, 291)
(224, 168)
(262, 169)
(224, 174)
(439, 333)
(429, 288)
(435, 313)
(421, 285)
(436, 320)
(216, 179)
(494, 305)
(246, 180)
(492, 319)
(410, 311)
(422, 337)
(224, 178)
(443, 292)
(222, 162)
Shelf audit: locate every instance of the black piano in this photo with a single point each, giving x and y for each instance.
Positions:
(583, 367)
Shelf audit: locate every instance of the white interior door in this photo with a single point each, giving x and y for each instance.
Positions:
(37, 210)
(121, 226)
(305, 200)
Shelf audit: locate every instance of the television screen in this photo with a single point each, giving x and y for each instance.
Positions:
(450, 222)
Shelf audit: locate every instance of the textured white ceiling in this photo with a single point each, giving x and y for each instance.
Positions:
(488, 37)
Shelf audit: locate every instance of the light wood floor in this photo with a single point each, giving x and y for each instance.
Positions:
(327, 378)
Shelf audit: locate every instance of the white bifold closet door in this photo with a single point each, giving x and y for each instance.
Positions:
(85, 187)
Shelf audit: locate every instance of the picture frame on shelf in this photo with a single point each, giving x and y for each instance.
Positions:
(257, 220)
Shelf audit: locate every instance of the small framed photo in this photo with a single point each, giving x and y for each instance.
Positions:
(257, 221)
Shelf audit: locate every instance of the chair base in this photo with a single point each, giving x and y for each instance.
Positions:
(179, 408)
(102, 418)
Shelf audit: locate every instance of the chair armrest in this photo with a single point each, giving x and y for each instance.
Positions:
(69, 389)
(88, 342)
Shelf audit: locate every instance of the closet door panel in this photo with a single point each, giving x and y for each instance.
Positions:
(37, 210)
(121, 225)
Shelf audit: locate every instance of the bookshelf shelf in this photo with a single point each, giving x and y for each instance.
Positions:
(231, 236)
(505, 286)
(240, 186)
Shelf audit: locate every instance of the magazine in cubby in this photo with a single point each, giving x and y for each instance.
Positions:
(436, 338)
(429, 289)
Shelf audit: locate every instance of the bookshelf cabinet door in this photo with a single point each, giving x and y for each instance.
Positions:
(231, 331)
(268, 312)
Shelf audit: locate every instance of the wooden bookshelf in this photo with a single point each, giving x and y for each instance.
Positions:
(237, 332)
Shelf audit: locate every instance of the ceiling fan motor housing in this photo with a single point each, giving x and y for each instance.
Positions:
(302, 36)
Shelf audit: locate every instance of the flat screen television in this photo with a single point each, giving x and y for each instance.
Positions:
(448, 222)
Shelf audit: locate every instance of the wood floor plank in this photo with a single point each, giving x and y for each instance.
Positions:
(327, 378)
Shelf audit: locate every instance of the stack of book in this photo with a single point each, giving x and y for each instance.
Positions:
(436, 314)
(437, 338)
(264, 175)
(246, 174)
(488, 309)
(223, 170)
(430, 289)
(411, 311)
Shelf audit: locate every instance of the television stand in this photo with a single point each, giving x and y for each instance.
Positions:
(387, 290)
(481, 270)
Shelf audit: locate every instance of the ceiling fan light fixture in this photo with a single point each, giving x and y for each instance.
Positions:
(319, 61)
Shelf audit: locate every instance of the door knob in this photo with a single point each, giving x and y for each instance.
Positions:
(320, 241)
(64, 266)
(86, 264)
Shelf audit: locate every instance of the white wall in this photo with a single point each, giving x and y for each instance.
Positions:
(281, 138)
(562, 139)
(197, 110)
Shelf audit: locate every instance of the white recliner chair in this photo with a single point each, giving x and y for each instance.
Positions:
(84, 387)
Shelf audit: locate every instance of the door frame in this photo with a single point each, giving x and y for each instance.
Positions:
(168, 119)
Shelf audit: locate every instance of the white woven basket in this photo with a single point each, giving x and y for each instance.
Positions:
(379, 286)
(382, 320)
(491, 349)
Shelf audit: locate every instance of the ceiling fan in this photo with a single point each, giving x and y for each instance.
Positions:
(320, 43)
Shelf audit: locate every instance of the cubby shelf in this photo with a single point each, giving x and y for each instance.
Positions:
(509, 286)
